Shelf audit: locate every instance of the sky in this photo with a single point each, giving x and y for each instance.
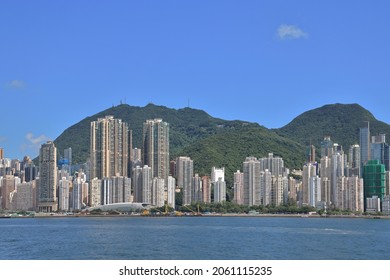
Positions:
(259, 61)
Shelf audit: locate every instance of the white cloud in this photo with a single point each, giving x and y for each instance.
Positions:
(290, 32)
(36, 141)
(16, 84)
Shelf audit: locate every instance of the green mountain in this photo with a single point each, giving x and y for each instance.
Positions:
(209, 141)
(339, 121)
(212, 142)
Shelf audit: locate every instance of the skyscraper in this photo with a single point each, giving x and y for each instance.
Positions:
(156, 148)
(1, 153)
(309, 171)
(354, 161)
(251, 170)
(47, 190)
(219, 191)
(184, 173)
(380, 150)
(238, 187)
(109, 148)
(365, 148)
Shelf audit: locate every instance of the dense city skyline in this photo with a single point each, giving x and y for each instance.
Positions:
(233, 60)
(356, 179)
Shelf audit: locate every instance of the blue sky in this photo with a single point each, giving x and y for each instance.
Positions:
(260, 61)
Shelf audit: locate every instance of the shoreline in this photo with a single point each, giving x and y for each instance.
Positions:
(229, 215)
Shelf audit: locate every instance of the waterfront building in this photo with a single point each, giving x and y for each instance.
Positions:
(386, 205)
(238, 187)
(353, 198)
(206, 189)
(374, 181)
(184, 172)
(109, 146)
(171, 192)
(77, 194)
(326, 191)
(158, 194)
(309, 171)
(95, 190)
(219, 191)
(251, 170)
(264, 195)
(337, 167)
(106, 191)
(155, 150)
(373, 204)
(279, 190)
(292, 189)
(47, 190)
(315, 191)
(146, 185)
(8, 189)
(137, 184)
(64, 188)
(387, 182)
(197, 188)
(26, 196)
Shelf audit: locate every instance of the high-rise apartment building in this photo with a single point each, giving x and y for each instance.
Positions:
(197, 188)
(206, 189)
(219, 191)
(238, 187)
(171, 191)
(109, 148)
(251, 170)
(26, 196)
(184, 174)
(264, 195)
(95, 190)
(309, 171)
(64, 188)
(156, 148)
(47, 190)
(354, 161)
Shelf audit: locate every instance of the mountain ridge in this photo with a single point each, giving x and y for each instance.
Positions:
(213, 141)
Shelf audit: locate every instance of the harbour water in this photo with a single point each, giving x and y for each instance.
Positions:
(194, 238)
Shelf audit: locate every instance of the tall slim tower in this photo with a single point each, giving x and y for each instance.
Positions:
(1, 153)
(365, 145)
(156, 148)
(47, 191)
(251, 170)
(185, 172)
(109, 148)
